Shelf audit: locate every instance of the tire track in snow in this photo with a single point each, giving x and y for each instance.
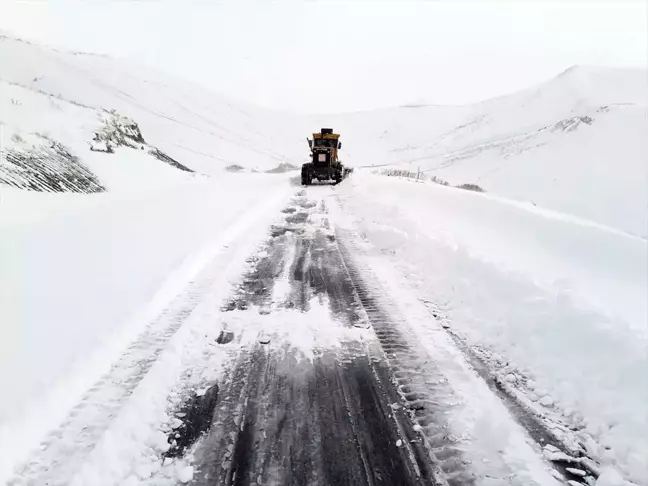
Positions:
(288, 420)
(417, 391)
(422, 389)
(65, 450)
(87, 422)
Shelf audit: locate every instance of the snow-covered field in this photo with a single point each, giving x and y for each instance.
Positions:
(539, 283)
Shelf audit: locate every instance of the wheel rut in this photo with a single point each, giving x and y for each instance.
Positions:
(333, 417)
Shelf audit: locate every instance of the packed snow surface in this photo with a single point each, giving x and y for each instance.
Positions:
(556, 304)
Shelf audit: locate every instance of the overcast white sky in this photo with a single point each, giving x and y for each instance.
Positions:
(330, 56)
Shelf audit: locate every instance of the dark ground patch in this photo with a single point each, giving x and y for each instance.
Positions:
(158, 154)
(321, 423)
(50, 167)
(196, 415)
(225, 337)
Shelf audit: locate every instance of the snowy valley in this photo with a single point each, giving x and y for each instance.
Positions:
(155, 247)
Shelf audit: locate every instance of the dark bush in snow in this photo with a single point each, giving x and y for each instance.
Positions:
(158, 154)
(436, 180)
(234, 168)
(471, 187)
(281, 168)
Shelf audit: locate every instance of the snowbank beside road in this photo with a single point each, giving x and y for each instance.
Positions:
(602, 266)
(556, 302)
(80, 271)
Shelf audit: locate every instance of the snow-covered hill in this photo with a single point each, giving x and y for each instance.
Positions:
(575, 144)
(60, 99)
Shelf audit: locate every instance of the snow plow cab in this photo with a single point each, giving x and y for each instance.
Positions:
(325, 164)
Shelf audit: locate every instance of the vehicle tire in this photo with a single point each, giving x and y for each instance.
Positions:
(306, 176)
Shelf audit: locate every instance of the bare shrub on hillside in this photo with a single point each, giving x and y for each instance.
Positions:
(436, 180)
(281, 168)
(471, 187)
(234, 168)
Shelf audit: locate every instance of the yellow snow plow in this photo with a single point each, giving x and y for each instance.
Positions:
(325, 164)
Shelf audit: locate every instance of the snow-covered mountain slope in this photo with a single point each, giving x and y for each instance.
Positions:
(575, 144)
(50, 97)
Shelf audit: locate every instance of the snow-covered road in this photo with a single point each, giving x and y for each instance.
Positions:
(329, 386)
(311, 344)
(308, 402)
(94, 290)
